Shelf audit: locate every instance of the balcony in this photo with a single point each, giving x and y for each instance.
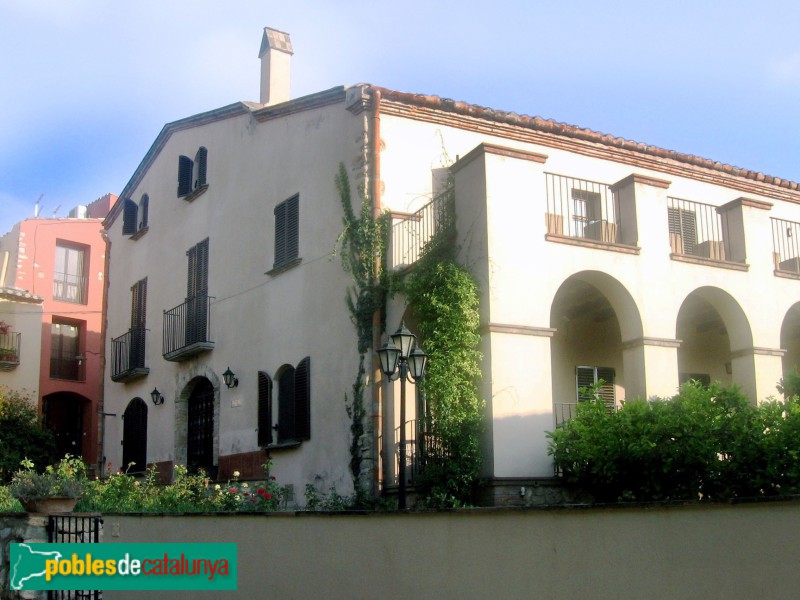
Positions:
(582, 209)
(9, 350)
(413, 234)
(127, 355)
(186, 329)
(422, 449)
(786, 247)
(69, 288)
(698, 230)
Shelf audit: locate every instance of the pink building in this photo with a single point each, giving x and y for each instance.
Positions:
(64, 261)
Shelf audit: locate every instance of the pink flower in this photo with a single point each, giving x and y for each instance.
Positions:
(267, 496)
(233, 490)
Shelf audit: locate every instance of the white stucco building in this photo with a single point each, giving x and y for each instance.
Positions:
(597, 258)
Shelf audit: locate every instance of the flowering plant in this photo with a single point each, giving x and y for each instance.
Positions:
(67, 478)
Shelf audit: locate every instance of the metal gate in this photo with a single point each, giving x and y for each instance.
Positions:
(74, 529)
(200, 435)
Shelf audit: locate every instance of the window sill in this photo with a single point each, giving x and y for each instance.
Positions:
(284, 445)
(709, 262)
(190, 197)
(140, 232)
(589, 243)
(277, 269)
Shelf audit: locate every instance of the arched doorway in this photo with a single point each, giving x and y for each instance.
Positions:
(66, 415)
(592, 313)
(790, 340)
(134, 437)
(714, 333)
(200, 428)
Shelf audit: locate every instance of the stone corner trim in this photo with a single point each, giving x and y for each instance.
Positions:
(758, 351)
(751, 202)
(651, 341)
(486, 148)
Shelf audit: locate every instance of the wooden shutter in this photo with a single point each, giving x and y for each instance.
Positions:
(292, 227)
(129, 210)
(584, 378)
(286, 405)
(200, 164)
(683, 223)
(185, 168)
(606, 392)
(143, 208)
(302, 400)
(138, 323)
(264, 409)
(280, 234)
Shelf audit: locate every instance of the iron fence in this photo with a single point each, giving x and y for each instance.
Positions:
(414, 233)
(74, 529)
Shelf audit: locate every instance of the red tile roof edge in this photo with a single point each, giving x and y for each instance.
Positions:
(563, 129)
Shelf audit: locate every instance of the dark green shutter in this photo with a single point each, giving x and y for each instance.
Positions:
(280, 234)
(129, 211)
(302, 400)
(292, 227)
(286, 405)
(143, 208)
(584, 378)
(185, 168)
(200, 161)
(264, 409)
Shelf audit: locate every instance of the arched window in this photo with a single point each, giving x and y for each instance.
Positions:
(134, 436)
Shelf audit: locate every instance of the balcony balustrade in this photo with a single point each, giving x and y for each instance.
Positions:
(69, 288)
(187, 329)
(128, 354)
(579, 208)
(10, 343)
(413, 233)
(786, 246)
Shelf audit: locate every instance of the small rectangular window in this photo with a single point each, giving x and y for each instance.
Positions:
(66, 361)
(586, 377)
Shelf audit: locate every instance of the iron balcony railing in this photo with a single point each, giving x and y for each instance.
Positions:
(187, 328)
(696, 229)
(128, 353)
(580, 208)
(422, 449)
(69, 288)
(9, 350)
(564, 411)
(786, 245)
(412, 234)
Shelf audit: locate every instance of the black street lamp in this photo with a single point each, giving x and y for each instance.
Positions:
(398, 361)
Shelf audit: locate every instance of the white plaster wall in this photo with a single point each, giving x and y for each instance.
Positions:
(258, 322)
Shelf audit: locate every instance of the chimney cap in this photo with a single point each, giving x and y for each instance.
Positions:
(275, 40)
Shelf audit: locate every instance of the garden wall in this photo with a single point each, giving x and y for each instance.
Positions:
(690, 551)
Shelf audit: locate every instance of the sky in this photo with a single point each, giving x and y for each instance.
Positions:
(86, 85)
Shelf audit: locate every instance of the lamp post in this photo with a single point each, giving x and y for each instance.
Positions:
(398, 361)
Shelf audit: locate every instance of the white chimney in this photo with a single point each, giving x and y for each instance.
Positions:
(276, 57)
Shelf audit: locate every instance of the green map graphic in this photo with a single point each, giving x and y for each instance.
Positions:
(27, 563)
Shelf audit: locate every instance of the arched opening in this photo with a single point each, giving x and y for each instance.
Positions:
(67, 415)
(790, 340)
(592, 314)
(134, 437)
(712, 327)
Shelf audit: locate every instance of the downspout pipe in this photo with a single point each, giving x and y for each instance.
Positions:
(375, 193)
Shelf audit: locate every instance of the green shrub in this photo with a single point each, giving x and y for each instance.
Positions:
(22, 434)
(704, 443)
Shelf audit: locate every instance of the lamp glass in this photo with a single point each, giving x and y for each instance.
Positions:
(417, 362)
(228, 377)
(403, 339)
(155, 395)
(389, 356)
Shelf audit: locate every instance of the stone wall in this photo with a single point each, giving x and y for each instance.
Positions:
(15, 528)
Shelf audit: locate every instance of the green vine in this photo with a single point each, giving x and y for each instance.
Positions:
(362, 245)
(445, 300)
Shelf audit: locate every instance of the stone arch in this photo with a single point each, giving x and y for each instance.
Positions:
(186, 385)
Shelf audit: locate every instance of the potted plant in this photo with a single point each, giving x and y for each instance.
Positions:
(56, 490)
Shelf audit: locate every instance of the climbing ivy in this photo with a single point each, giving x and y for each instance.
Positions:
(362, 240)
